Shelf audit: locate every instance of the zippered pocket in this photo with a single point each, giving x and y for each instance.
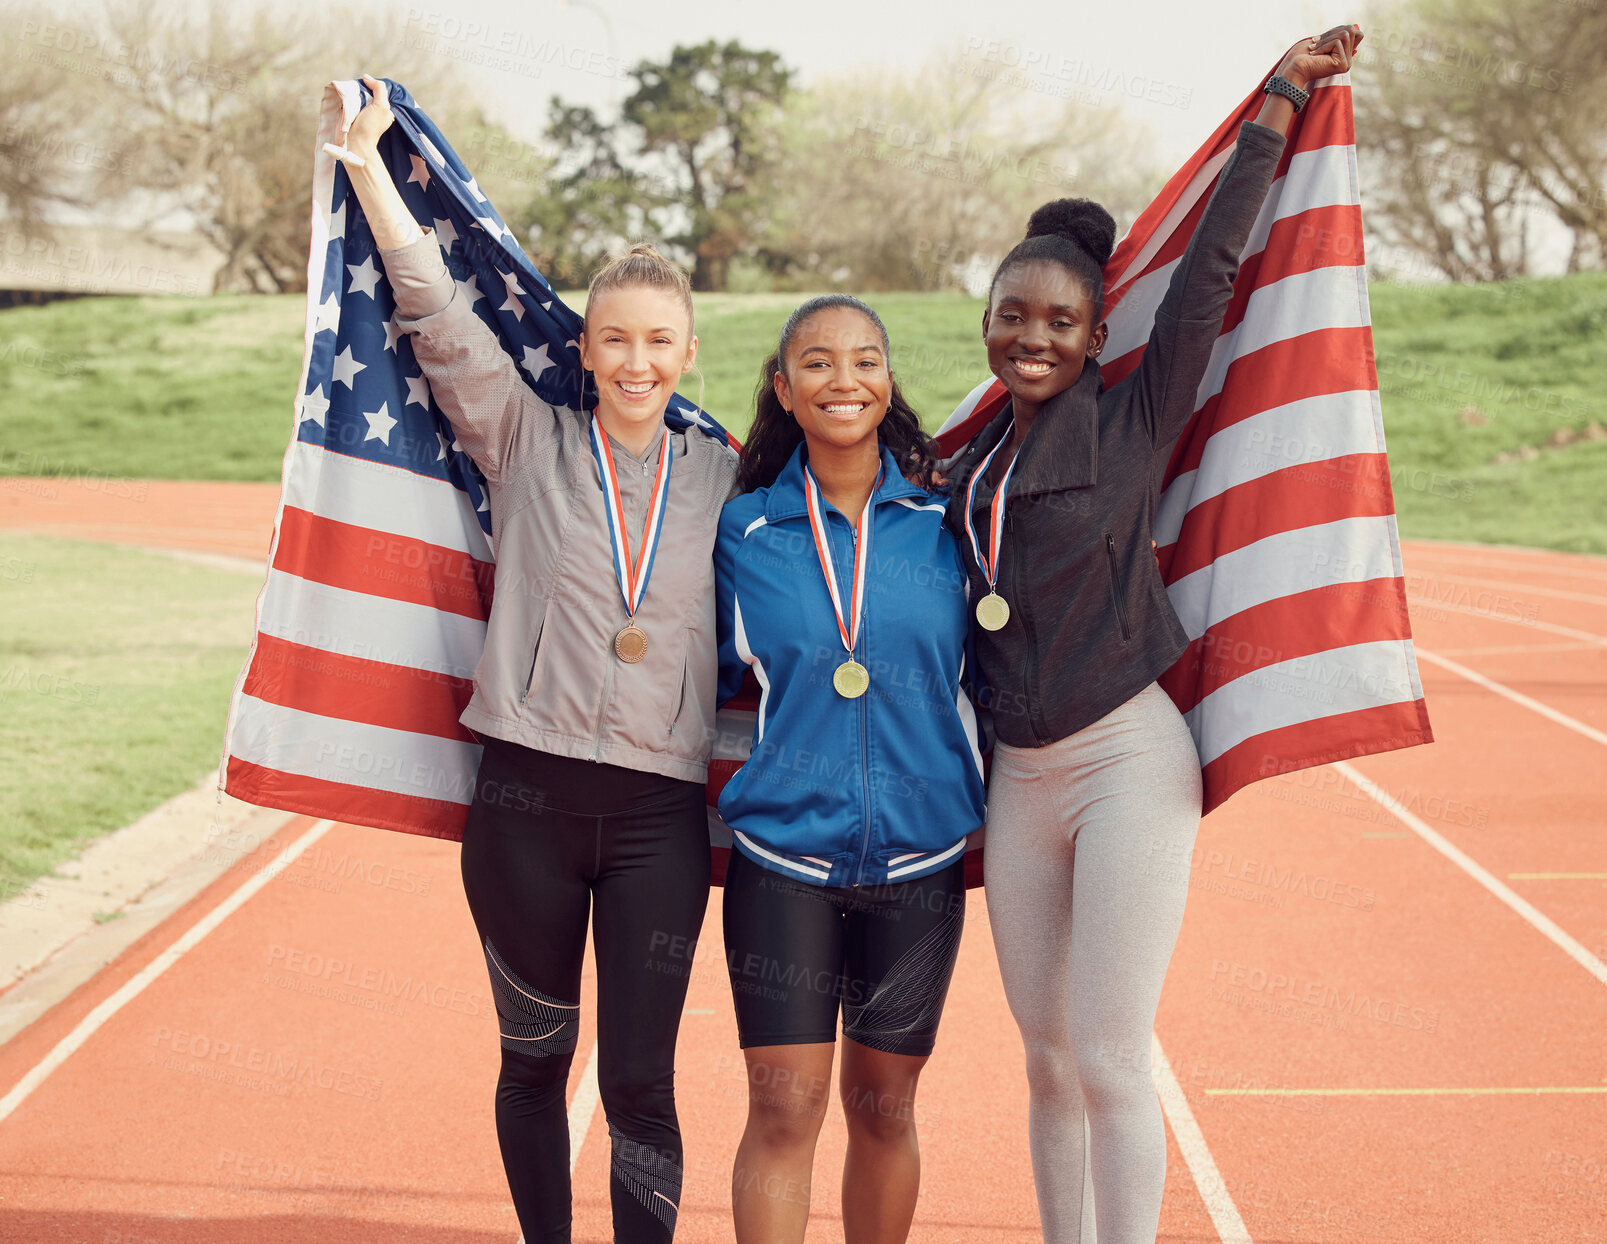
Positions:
(535, 651)
(1116, 586)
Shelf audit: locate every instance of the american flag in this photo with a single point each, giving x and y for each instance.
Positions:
(1276, 523)
(380, 571)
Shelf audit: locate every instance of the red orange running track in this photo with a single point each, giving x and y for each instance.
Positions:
(319, 1066)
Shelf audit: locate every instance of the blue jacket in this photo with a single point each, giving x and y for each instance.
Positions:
(841, 792)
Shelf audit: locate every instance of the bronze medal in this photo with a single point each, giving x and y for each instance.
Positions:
(992, 612)
(851, 679)
(630, 645)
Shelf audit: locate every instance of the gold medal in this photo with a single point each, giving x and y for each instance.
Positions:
(992, 612)
(630, 644)
(851, 679)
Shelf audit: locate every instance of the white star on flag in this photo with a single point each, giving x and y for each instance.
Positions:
(346, 368)
(335, 222)
(471, 289)
(445, 234)
(489, 225)
(328, 314)
(484, 505)
(441, 457)
(474, 189)
(314, 406)
(418, 391)
(435, 152)
(380, 424)
(365, 276)
(513, 304)
(537, 362)
(420, 173)
(393, 330)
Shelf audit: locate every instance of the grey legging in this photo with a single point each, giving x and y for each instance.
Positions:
(1087, 865)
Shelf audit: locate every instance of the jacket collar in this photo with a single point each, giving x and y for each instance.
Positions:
(1062, 449)
(786, 498)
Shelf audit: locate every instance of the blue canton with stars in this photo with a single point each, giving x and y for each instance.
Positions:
(366, 395)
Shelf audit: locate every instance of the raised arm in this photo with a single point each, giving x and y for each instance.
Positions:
(489, 404)
(1190, 316)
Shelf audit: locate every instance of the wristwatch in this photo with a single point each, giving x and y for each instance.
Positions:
(1277, 85)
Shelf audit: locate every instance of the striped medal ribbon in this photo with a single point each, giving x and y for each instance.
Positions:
(992, 611)
(630, 644)
(851, 679)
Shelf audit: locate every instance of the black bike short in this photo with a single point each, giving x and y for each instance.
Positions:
(885, 953)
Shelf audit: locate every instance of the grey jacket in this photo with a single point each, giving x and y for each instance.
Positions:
(548, 677)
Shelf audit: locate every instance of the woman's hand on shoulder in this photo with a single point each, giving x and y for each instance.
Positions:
(1329, 53)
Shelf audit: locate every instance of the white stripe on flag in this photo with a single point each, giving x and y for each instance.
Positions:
(384, 499)
(1348, 551)
(1324, 684)
(968, 403)
(1315, 180)
(374, 628)
(1313, 429)
(354, 753)
(1306, 302)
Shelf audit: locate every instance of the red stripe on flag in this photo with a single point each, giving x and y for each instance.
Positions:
(340, 801)
(398, 697)
(1352, 486)
(1330, 360)
(1328, 121)
(1343, 736)
(379, 563)
(1300, 625)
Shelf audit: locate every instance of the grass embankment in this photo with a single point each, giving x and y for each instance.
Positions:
(171, 388)
(115, 673)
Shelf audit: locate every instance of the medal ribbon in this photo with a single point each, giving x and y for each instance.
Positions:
(632, 576)
(849, 630)
(990, 565)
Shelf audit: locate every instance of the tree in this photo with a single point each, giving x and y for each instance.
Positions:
(48, 156)
(217, 110)
(1474, 119)
(924, 180)
(690, 161)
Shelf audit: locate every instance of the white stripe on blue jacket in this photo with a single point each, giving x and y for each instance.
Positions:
(841, 792)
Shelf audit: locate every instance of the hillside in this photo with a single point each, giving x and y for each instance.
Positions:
(1493, 396)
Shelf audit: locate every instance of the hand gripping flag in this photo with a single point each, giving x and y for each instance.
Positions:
(1276, 523)
(379, 580)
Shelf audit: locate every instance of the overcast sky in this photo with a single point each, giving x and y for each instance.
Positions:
(1179, 67)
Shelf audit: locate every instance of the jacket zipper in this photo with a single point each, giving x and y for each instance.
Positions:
(864, 728)
(1116, 586)
(530, 678)
(1040, 729)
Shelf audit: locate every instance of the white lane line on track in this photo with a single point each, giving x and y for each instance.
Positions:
(1517, 697)
(1407, 1092)
(1196, 1155)
(136, 984)
(1428, 605)
(1538, 919)
(582, 1108)
(1557, 593)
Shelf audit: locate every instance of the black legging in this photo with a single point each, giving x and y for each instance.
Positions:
(546, 836)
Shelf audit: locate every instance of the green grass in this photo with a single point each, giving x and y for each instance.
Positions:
(185, 389)
(115, 673)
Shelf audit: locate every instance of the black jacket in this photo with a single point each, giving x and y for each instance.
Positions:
(1090, 623)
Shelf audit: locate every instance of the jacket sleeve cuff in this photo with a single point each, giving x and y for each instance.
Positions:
(418, 279)
(1256, 134)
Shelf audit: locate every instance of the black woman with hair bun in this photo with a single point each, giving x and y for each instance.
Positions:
(1095, 793)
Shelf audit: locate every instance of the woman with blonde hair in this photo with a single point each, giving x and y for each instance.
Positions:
(594, 700)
